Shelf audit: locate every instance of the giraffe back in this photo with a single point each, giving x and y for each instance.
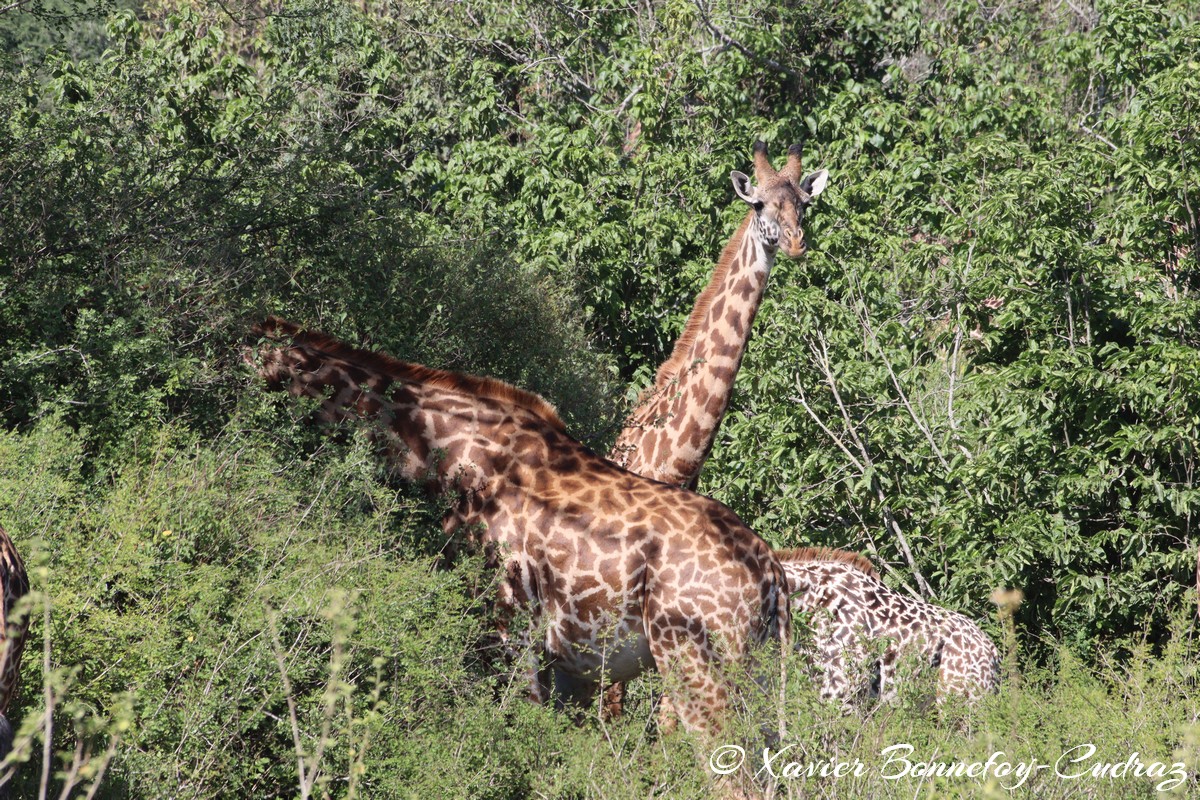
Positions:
(371, 370)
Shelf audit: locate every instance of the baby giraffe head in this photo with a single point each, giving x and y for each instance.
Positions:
(779, 199)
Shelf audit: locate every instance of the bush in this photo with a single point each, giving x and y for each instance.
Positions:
(983, 373)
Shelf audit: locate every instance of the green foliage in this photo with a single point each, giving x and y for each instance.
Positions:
(992, 346)
(984, 372)
(160, 214)
(209, 603)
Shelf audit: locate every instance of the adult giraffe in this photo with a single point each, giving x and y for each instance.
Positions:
(620, 572)
(669, 434)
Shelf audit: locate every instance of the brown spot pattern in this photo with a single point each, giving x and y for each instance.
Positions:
(594, 553)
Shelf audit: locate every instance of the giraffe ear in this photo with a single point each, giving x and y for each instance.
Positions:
(744, 189)
(815, 184)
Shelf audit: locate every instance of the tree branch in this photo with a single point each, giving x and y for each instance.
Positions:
(13, 5)
(803, 401)
(822, 356)
(306, 780)
(1108, 142)
(741, 48)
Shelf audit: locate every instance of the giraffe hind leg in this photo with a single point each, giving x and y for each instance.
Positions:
(694, 694)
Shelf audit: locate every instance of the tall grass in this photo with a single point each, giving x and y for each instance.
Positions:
(216, 620)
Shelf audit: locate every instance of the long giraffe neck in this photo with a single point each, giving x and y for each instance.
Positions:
(669, 434)
(453, 431)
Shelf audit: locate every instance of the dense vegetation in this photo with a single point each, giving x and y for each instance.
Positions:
(986, 372)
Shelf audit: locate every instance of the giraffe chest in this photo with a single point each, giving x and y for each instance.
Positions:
(581, 576)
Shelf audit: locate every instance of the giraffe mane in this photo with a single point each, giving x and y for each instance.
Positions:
(683, 346)
(804, 554)
(395, 369)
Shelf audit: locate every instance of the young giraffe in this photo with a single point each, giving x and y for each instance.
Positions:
(13, 629)
(669, 434)
(851, 607)
(622, 572)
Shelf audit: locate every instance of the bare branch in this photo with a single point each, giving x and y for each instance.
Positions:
(741, 48)
(1108, 142)
(864, 320)
(953, 366)
(803, 401)
(1187, 203)
(81, 757)
(113, 742)
(277, 651)
(15, 5)
(823, 360)
(48, 719)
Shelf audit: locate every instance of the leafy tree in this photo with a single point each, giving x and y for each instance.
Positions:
(984, 373)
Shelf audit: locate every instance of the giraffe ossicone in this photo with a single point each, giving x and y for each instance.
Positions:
(618, 573)
(850, 611)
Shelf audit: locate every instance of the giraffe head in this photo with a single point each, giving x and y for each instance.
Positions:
(779, 199)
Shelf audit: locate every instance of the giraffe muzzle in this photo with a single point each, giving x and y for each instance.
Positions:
(794, 246)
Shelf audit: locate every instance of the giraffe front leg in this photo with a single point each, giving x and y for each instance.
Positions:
(614, 707)
(697, 696)
(668, 717)
(887, 667)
